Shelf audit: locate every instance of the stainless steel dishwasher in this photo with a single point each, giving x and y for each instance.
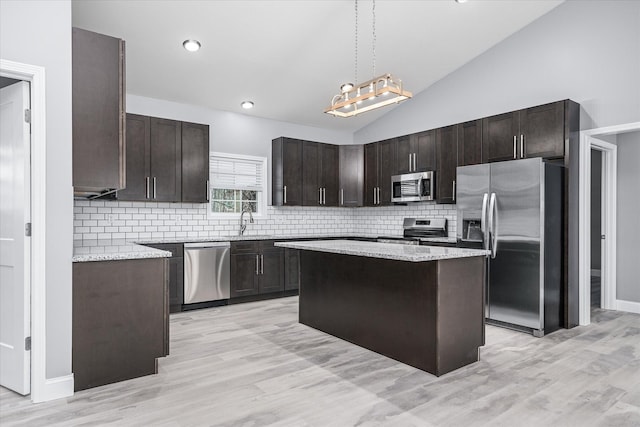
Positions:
(206, 272)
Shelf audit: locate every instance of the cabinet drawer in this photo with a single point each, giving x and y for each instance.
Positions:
(247, 246)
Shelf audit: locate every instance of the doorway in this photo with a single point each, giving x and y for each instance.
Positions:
(15, 242)
(598, 146)
(41, 389)
(596, 228)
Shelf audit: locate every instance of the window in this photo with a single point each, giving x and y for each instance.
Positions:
(236, 183)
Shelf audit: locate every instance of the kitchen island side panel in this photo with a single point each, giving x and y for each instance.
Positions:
(392, 307)
(461, 295)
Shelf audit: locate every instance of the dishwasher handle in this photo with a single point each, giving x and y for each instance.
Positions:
(205, 245)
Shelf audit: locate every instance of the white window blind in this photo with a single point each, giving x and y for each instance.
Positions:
(236, 173)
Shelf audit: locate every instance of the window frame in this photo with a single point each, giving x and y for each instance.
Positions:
(261, 204)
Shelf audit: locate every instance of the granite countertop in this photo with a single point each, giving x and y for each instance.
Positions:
(109, 250)
(412, 253)
(236, 238)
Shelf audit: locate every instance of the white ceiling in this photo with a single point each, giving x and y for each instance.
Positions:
(290, 57)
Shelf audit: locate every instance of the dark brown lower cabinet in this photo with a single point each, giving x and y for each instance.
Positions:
(291, 269)
(257, 267)
(120, 320)
(176, 274)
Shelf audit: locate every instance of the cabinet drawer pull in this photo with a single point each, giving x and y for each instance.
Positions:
(515, 144)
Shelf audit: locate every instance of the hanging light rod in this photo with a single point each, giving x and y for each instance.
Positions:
(375, 93)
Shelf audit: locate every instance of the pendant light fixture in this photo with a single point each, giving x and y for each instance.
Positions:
(380, 91)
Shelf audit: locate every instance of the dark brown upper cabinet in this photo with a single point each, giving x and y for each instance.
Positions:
(167, 160)
(98, 118)
(138, 186)
(416, 152)
(470, 143)
(351, 175)
(379, 166)
(447, 161)
(531, 132)
(286, 172)
(319, 174)
(195, 163)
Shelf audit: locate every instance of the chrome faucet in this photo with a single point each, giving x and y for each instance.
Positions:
(243, 223)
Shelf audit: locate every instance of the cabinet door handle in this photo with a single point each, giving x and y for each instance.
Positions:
(415, 162)
(378, 195)
(374, 195)
(410, 162)
(257, 264)
(147, 184)
(454, 190)
(319, 195)
(342, 197)
(285, 195)
(261, 264)
(324, 196)
(208, 193)
(154, 188)
(515, 144)
(521, 146)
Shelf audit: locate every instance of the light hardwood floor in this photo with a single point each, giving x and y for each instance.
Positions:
(254, 365)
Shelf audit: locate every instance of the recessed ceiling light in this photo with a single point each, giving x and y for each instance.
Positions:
(247, 105)
(191, 45)
(461, 1)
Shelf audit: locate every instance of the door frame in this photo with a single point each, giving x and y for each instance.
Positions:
(35, 75)
(591, 139)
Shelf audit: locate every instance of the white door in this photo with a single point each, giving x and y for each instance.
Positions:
(15, 247)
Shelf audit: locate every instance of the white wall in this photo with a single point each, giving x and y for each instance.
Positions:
(232, 132)
(628, 223)
(39, 33)
(588, 51)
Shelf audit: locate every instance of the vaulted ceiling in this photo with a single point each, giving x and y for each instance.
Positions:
(290, 57)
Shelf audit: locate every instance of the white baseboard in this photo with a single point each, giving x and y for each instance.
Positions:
(630, 306)
(595, 273)
(54, 388)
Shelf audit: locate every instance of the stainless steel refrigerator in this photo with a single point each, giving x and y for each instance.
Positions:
(514, 209)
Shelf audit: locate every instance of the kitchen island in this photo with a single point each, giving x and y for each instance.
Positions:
(420, 305)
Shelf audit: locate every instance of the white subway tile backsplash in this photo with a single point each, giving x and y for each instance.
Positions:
(146, 220)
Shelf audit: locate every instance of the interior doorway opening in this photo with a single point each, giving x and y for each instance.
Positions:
(596, 228)
(598, 148)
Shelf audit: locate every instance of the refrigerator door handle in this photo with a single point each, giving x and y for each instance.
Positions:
(493, 224)
(483, 221)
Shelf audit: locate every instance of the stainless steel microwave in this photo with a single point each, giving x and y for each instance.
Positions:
(412, 187)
